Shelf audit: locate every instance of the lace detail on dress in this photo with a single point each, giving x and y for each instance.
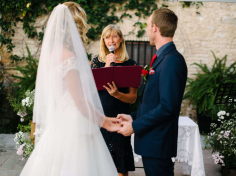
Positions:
(95, 63)
(69, 64)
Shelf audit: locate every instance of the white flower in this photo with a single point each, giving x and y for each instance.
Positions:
(21, 113)
(227, 114)
(20, 149)
(222, 117)
(23, 102)
(223, 112)
(217, 158)
(226, 134)
(216, 161)
(21, 119)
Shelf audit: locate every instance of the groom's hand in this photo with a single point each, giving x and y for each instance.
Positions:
(126, 129)
(125, 117)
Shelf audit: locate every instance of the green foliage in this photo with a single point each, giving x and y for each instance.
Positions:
(141, 32)
(2, 99)
(189, 3)
(202, 90)
(9, 124)
(100, 13)
(24, 127)
(22, 104)
(29, 72)
(89, 55)
(22, 91)
(14, 11)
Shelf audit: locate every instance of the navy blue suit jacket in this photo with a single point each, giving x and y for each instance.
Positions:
(156, 121)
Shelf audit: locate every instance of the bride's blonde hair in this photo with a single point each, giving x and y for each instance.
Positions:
(79, 17)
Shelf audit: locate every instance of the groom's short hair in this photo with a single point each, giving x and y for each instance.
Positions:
(166, 21)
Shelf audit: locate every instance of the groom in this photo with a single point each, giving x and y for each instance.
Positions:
(155, 124)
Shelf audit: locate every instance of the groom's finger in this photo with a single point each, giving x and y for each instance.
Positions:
(121, 129)
(119, 116)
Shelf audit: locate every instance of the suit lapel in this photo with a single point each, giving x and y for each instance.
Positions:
(144, 85)
(161, 57)
(157, 61)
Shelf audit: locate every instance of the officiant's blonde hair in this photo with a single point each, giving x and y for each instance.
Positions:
(80, 18)
(103, 52)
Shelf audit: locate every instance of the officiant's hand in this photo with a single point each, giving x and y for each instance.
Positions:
(109, 59)
(126, 129)
(112, 89)
(125, 117)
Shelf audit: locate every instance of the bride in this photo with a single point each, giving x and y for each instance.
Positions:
(67, 108)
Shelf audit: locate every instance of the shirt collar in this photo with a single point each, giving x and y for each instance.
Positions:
(161, 49)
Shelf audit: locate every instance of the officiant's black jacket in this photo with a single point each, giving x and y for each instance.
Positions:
(156, 121)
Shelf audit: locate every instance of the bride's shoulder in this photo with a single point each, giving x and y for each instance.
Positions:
(67, 55)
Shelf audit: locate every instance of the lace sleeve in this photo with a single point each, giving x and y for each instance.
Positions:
(69, 64)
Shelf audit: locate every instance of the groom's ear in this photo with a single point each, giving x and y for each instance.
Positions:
(155, 28)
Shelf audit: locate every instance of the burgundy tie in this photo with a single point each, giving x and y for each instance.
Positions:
(153, 59)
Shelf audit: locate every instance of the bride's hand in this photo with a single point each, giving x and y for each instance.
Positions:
(114, 127)
(110, 126)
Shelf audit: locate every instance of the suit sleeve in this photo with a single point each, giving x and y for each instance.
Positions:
(172, 81)
(133, 115)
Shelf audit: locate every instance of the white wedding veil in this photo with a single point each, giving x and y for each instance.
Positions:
(64, 75)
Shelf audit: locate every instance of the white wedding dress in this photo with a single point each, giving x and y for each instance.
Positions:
(67, 108)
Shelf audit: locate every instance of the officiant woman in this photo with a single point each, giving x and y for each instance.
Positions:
(116, 100)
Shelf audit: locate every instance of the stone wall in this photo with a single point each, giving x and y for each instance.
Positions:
(211, 27)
